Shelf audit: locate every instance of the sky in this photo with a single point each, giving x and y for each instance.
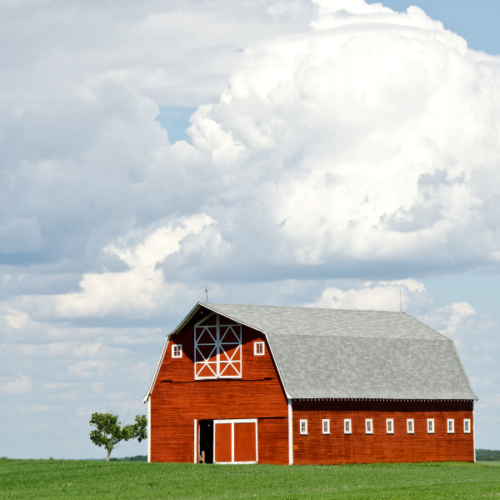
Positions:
(319, 153)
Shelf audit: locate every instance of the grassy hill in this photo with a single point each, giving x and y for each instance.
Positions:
(58, 479)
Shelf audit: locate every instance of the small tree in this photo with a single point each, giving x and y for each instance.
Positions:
(109, 432)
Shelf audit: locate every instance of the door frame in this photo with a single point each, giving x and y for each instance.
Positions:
(239, 421)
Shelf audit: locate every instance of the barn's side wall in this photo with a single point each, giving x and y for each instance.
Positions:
(359, 447)
(178, 399)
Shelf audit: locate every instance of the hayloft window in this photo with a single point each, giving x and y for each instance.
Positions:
(410, 426)
(303, 427)
(347, 426)
(390, 425)
(326, 426)
(451, 426)
(217, 352)
(177, 351)
(258, 349)
(466, 425)
(430, 426)
(369, 426)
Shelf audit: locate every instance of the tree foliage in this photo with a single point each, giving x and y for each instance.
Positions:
(109, 432)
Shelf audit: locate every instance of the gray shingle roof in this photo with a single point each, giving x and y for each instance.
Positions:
(328, 353)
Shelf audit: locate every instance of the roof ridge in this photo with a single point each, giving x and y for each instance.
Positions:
(301, 307)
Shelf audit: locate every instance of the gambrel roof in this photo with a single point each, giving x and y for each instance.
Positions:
(344, 354)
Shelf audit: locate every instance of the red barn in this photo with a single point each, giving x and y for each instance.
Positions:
(290, 385)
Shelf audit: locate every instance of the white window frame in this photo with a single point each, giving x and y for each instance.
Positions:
(430, 426)
(410, 422)
(452, 422)
(347, 426)
(391, 422)
(303, 427)
(177, 347)
(467, 424)
(369, 425)
(325, 426)
(256, 348)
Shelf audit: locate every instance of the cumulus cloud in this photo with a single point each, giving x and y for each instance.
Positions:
(381, 296)
(22, 384)
(355, 138)
(140, 290)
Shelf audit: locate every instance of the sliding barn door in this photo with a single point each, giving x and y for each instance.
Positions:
(235, 441)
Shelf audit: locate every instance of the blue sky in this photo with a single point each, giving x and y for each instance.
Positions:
(327, 153)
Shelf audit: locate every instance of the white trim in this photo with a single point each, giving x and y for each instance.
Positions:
(290, 432)
(239, 421)
(369, 424)
(349, 425)
(391, 421)
(256, 345)
(474, 432)
(149, 430)
(452, 421)
(408, 430)
(157, 370)
(327, 422)
(467, 426)
(431, 429)
(196, 453)
(179, 347)
(303, 432)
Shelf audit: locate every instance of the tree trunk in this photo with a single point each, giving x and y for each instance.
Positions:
(109, 454)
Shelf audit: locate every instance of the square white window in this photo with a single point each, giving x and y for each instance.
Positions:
(410, 426)
(258, 349)
(347, 426)
(326, 426)
(450, 426)
(177, 351)
(467, 425)
(303, 427)
(390, 425)
(369, 426)
(430, 426)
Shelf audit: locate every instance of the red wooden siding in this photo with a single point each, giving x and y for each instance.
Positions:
(177, 400)
(360, 447)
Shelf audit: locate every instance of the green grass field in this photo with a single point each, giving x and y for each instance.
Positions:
(47, 479)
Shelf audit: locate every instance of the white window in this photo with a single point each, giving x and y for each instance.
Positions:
(410, 426)
(258, 349)
(451, 426)
(177, 351)
(430, 426)
(303, 427)
(369, 426)
(390, 425)
(467, 425)
(326, 426)
(347, 426)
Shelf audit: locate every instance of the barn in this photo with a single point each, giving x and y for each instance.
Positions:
(291, 385)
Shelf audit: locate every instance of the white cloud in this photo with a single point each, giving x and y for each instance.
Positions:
(42, 407)
(23, 384)
(380, 296)
(141, 290)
